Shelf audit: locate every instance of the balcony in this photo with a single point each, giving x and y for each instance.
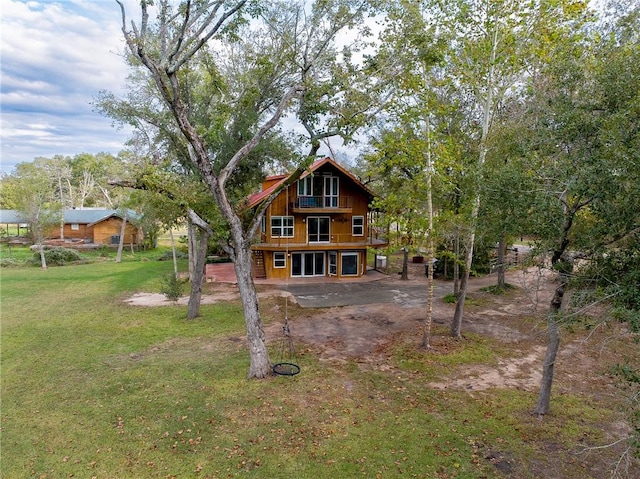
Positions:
(322, 204)
(337, 241)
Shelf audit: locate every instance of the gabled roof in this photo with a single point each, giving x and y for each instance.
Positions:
(255, 198)
(84, 216)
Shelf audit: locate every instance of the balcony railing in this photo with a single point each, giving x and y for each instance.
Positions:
(323, 202)
(335, 240)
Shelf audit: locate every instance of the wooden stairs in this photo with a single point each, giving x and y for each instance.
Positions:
(259, 269)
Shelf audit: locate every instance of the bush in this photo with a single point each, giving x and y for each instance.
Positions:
(171, 287)
(10, 263)
(449, 298)
(168, 256)
(58, 256)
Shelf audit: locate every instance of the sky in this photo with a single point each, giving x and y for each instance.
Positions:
(55, 57)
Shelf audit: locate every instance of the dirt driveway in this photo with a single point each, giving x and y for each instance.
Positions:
(364, 318)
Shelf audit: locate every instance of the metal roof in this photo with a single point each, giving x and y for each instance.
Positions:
(84, 216)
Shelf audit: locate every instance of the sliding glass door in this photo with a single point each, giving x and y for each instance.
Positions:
(307, 264)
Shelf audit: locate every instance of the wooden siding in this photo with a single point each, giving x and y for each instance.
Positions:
(103, 231)
(285, 273)
(99, 233)
(84, 231)
(353, 201)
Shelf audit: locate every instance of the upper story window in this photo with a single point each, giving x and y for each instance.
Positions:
(282, 226)
(319, 191)
(357, 225)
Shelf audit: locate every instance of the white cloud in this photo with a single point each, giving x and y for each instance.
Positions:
(56, 57)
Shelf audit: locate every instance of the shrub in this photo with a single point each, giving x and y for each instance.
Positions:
(449, 298)
(58, 256)
(10, 263)
(171, 287)
(168, 256)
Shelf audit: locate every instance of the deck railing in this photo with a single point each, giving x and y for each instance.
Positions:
(319, 202)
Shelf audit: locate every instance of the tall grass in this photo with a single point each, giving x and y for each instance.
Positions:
(93, 387)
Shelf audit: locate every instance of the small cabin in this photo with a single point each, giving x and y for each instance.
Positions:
(93, 226)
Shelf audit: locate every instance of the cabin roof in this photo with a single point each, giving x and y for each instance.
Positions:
(84, 216)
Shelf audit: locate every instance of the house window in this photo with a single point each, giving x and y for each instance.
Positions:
(331, 192)
(349, 264)
(318, 191)
(310, 186)
(75, 226)
(318, 229)
(357, 225)
(282, 226)
(279, 259)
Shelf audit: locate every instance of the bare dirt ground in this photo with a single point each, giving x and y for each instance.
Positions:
(363, 332)
(367, 335)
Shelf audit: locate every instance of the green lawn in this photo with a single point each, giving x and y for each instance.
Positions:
(92, 387)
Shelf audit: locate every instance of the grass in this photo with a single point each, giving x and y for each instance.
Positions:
(92, 387)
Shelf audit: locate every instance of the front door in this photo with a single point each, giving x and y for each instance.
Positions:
(333, 263)
(307, 264)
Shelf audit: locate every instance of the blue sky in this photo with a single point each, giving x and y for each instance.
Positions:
(55, 58)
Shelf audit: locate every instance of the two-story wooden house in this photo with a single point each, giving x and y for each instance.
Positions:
(317, 227)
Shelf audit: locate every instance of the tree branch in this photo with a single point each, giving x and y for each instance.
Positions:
(249, 146)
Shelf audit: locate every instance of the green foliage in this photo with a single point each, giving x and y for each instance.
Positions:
(449, 298)
(618, 273)
(10, 263)
(613, 277)
(171, 287)
(629, 375)
(58, 256)
(168, 255)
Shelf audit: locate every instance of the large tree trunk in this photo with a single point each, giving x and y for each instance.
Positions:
(428, 322)
(197, 274)
(260, 365)
(563, 262)
(43, 259)
(405, 264)
(426, 335)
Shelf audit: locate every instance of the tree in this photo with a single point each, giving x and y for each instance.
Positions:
(179, 41)
(37, 201)
(508, 187)
(582, 142)
(488, 57)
